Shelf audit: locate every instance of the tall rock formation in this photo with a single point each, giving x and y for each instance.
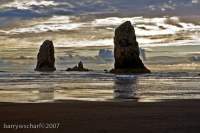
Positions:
(126, 51)
(45, 57)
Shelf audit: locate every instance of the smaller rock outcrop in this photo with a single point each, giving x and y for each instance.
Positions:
(106, 54)
(45, 57)
(78, 67)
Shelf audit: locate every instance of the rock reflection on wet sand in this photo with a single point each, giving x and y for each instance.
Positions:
(93, 86)
(125, 87)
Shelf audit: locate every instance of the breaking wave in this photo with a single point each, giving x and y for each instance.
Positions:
(165, 31)
(150, 26)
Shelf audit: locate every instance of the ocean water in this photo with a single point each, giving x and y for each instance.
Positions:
(171, 78)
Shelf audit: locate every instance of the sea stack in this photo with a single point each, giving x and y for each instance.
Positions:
(45, 57)
(126, 51)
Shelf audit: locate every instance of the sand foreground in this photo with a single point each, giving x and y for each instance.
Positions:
(180, 116)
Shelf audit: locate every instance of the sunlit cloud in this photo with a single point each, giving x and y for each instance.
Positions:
(28, 4)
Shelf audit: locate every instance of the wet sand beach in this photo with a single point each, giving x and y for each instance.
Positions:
(178, 116)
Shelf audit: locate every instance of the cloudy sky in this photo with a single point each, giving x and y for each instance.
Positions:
(35, 8)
